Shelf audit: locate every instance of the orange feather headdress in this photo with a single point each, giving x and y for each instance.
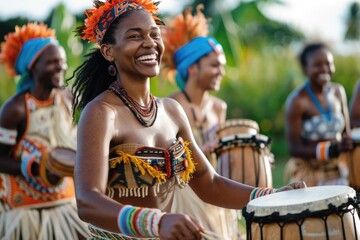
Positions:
(178, 32)
(11, 47)
(99, 18)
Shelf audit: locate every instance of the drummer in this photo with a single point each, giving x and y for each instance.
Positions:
(135, 149)
(196, 75)
(317, 122)
(32, 122)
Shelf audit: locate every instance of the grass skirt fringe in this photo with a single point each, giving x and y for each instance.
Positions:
(57, 222)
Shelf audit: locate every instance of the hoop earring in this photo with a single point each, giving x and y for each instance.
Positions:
(112, 70)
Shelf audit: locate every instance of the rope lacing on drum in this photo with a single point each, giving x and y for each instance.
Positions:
(352, 206)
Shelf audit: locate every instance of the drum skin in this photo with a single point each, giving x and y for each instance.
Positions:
(243, 154)
(307, 214)
(235, 126)
(61, 161)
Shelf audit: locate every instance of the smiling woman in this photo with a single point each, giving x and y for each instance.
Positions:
(134, 148)
(34, 124)
(317, 122)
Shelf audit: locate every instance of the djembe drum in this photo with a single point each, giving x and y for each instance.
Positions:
(314, 213)
(354, 160)
(61, 161)
(243, 154)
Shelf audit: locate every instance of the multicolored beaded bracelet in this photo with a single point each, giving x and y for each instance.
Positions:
(322, 150)
(261, 191)
(139, 222)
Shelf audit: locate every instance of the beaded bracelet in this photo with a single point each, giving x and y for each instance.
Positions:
(139, 222)
(322, 150)
(261, 191)
(26, 165)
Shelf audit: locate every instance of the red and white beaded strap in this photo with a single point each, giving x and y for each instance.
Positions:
(7, 136)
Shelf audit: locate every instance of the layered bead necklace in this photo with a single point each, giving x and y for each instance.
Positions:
(145, 114)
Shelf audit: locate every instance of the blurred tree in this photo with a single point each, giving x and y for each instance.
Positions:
(64, 22)
(353, 22)
(9, 25)
(246, 27)
(208, 5)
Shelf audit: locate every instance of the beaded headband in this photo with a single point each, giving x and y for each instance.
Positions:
(100, 18)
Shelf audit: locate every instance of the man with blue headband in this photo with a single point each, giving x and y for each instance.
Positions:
(198, 68)
(37, 200)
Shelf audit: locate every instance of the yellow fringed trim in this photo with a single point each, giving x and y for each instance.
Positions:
(191, 166)
(139, 163)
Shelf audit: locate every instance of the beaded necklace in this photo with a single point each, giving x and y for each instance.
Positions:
(328, 113)
(145, 114)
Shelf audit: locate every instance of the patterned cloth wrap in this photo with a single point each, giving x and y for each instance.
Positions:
(317, 173)
(19, 191)
(40, 136)
(31, 208)
(134, 168)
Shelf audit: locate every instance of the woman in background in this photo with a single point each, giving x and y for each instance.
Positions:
(197, 61)
(35, 202)
(317, 122)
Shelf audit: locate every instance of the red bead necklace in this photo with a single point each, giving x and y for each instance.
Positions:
(145, 114)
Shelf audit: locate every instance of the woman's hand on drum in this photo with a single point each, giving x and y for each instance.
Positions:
(346, 144)
(179, 226)
(292, 186)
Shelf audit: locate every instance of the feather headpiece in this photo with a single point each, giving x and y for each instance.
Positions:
(11, 47)
(178, 32)
(99, 18)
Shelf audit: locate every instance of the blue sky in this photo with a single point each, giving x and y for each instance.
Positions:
(316, 18)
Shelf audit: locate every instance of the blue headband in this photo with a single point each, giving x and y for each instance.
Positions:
(190, 53)
(30, 51)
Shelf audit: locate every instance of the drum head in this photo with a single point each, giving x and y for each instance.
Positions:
(238, 126)
(64, 156)
(296, 201)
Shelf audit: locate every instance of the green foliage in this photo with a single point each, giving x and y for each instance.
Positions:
(64, 22)
(8, 85)
(353, 22)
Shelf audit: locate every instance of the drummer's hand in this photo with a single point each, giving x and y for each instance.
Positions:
(179, 226)
(53, 177)
(292, 186)
(346, 144)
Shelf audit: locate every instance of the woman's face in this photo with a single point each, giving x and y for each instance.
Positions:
(138, 47)
(320, 66)
(49, 69)
(210, 71)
